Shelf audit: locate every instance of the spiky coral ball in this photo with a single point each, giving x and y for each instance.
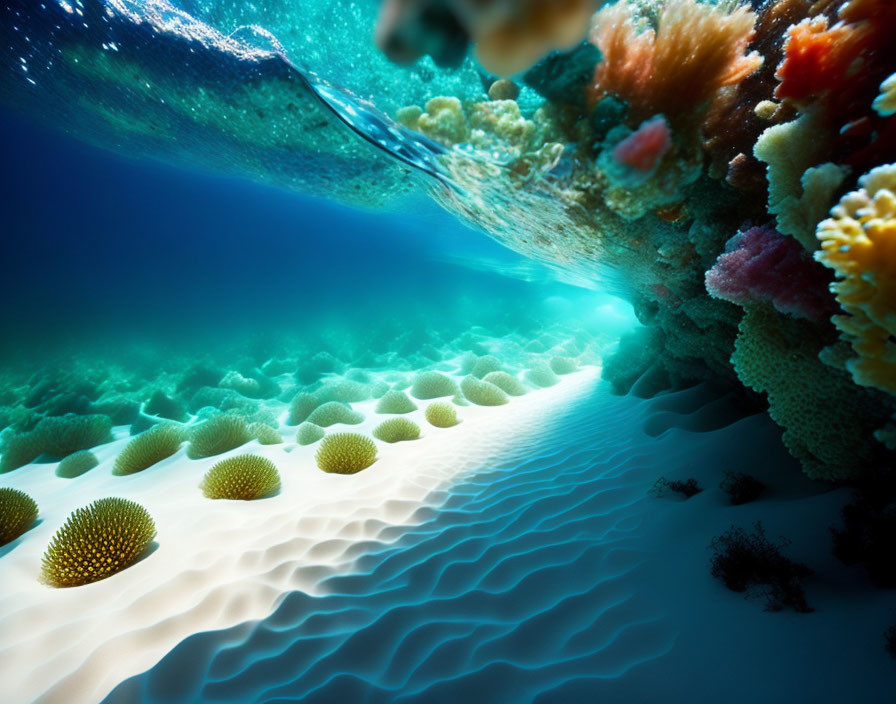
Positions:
(76, 464)
(482, 393)
(265, 434)
(96, 542)
(148, 448)
(396, 430)
(17, 513)
(219, 434)
(433, 385)
(508, 383)
(346, 453)
(395, 402)
(334, 412)
(441, 415)
(244, 478)
(309, 433)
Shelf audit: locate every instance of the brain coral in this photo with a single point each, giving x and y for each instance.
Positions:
(76, 464)
(218, 434)
(396, 430)
(309, 433)
(17, 513)
(482, 393)
(858, 242)
(346, 453)
(96, 542)
(395, 402)
(760, 265)
(429, 385)
(334, 412)
(243, 478)
(441, 415)
(508, 383)
(146, 449)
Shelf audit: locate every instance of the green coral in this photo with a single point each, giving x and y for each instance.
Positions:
(486, 365)
(396, 430)
(148, 448)
(508, 383)
(541, 375)
(96, 542)
(395, 402)
(162, 405)
(57, 436)
(344, 391)
(482, 393)
(334, 412)
(302, 406)
(441, 415)
(429, 385)
(265, 434)
(244, 478)
(346, 453)
(218, 434)
(76, 464)
(563, 365)
(17, 513)
(309, 433)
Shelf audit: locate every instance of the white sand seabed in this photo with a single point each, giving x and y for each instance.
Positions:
(220, 563)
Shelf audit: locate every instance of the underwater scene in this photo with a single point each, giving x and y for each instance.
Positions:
(503, 351)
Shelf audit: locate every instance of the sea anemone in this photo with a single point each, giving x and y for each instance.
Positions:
(76, 464)
(395, 402)
(309, 433)
(334, 412)
(396, 430)
(244, 478)
(441, 415)
(146, 449)
(429, 385)
(346, 453)
(96, 542)
(482, 393)
(17, 513)
(218, 434)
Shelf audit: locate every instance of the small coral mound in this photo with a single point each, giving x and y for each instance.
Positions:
(396, 430)
(485, 365)
(395, 402)
(441, 415)
(482, 393)
(858, 242)
(760, 265)
(218, 434)
(148, 448)
(161, 405)
(265, 434)
(243, 478)
(57, 436)
(309, 433)
(508, 383)
(563, 365)
(541, 375)
(96, 542)
(429, 385)
(302, 406)
(17, 513)
(76, 464)
(345, 453)
(741, 488)
(674, 70)
(334, 412)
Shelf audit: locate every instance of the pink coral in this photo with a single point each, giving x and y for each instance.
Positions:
(643, 149)
(762, 265)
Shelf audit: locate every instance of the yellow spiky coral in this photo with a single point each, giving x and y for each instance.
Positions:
(858, 242)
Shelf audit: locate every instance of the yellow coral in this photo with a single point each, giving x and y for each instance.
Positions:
(858, 241)
(444, 121)
(885, 103)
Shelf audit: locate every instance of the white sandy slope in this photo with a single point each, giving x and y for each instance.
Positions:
(220, 563)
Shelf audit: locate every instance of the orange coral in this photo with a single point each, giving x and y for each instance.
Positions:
(695, 50)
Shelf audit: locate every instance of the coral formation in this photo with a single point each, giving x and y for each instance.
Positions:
(334, 412)
(148, 448)
(17, 512)
(96, 542)
(395, 402)
(541, 375)
(301, 406)
(76, 464)
(242, 478)
(345, 453)
(482, 393)
(441, 415)
(396, 430)
(218, 434)
(429, 385)
(563, 365)
(309, 433)
(508, 383)
(57, 436)
(265, 434)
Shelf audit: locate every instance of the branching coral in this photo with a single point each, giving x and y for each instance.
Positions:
(96, 542)
(396, 430)
(441, 415)
(148, 448)
(760, 265)
(345, 453)
(859, 243)
(76, 464)
(17, 513)
(243, 478)
(674, 70)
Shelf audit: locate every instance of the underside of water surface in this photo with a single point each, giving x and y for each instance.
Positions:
(429, 350)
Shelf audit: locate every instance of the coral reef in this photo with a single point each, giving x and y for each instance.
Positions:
(396, 430)
(345, 453)
(57, 436)
(17, 512)
(76, 464)
(96, 542)
(441, 415)
(242, 478)
(148, 448)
